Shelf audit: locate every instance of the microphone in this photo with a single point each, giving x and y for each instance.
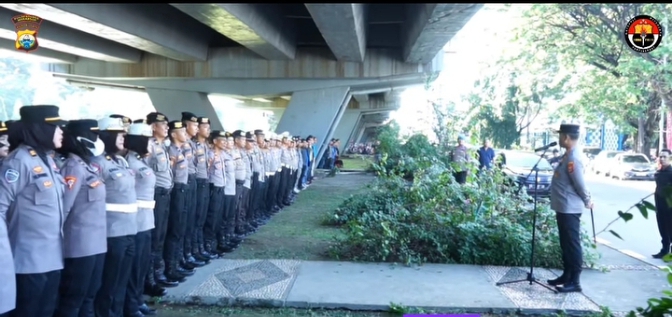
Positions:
(546, 147)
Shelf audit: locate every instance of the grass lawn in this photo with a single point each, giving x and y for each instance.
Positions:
(296, 232)
(177, 311)
(357, 162)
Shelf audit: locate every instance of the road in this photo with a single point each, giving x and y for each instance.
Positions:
(640, 235)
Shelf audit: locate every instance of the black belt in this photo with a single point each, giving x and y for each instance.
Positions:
(179, 186)
(212, 186)
(161, 190)
(240, 182)
(202, 180)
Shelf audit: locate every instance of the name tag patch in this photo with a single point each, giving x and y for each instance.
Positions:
(70, 181)
(11, 175)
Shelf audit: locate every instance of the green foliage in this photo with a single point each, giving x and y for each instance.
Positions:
(415, 212)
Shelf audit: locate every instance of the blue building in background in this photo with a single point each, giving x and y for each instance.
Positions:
(605, 137)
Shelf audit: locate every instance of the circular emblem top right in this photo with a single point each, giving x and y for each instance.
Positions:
(643, 33)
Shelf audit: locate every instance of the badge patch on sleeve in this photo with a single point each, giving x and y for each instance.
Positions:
(70, 181)
(570, 167)
(11, 176)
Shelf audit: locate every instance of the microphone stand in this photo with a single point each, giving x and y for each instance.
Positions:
(530, 275)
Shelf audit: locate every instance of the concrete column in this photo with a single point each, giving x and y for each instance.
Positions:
(315, 112)
(346, 127)
(172, 102)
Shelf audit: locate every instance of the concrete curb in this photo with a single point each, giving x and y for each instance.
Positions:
(628, 255)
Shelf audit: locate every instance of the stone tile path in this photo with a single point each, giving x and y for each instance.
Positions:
(374, 286)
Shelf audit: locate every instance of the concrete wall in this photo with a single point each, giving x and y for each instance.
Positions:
(172, 102)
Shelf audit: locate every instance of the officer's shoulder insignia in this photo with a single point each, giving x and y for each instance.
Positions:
(107, 157)
(32, 153)
(37, 169)
(570, 166)
(94, 184)
(11, 175)
(70, 181)
(48, 184)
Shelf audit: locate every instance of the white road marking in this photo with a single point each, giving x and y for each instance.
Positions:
(632, 254)
(602, 241)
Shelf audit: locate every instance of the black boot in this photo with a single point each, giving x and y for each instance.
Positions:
(172, 273)
(191, 260)
(210, 249)
(160, 276)
(146, 310)
(151, 287)
(574, 284)
(196, 252)
(205, 252)
(562, 279)
(665, 250)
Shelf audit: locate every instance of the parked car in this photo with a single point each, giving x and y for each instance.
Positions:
(632, 166)
(601, 164)
(518, 165)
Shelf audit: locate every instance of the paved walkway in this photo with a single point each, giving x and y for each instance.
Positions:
(628, 283)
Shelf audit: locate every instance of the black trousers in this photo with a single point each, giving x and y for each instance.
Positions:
(289, 186)
(139, 268)
(569, 228)
(202, 205)
(161, 210)
(190, 222)
(109, 301)
(460, 177)
(282, 187)
(80, 280)
(177, 224)
(664, 220)
(271, 191)
(36, 294)
(214, 218)
(303, 176)
(228, 224)
(241, 206)
(253, 206)
(262, 209)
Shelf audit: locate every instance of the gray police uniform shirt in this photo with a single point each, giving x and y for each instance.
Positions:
(201, 157)
(7, 275)
(85, 229)
(247, 163)
(188, 150)
(179, 164)
(145, 182)
(268, 168)
(31, 203)
(285, 157)
(230, 173)
(568, 190)
(241, 171)
(159, 161)
(120, 199)
(216, 169)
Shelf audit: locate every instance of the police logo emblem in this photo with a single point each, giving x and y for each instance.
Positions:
(70, 181)
(643, 33)
(11, 176)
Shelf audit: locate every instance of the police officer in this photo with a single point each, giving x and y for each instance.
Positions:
(31, 206)
(190, 122)
(276, 167)
(216, 205)
(203, 190)
(137, 144)
(227, 240)
(265, 176)
(285, 162)
(242, 175)
(159, 161)
(126, 121)
(121, 214)
(4, 143)
(85, 229)
(257, 178)
(177, 216)
(569, 197)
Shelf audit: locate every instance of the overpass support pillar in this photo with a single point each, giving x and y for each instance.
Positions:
(315, 112)
(346, 128)
(172, 102)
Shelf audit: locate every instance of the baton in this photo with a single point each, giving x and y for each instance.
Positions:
(592, 219)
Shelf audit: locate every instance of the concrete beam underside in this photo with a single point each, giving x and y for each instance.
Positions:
(343, 27)
(172, 102)
(315, 112)
(43, 54)
(145, 27)
(430, 26)
(241, 63)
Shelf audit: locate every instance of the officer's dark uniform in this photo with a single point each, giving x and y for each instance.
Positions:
(85, 229)
(137, 142)
(663, 211)
(31, 210)
(121, 214)
(159, 161)
(286, 178)
(569, 197)
(226, 237)
(272, 172)
(189, 149)
(262, 145)
(256, 160)
(177, 218)
(216, 206)
(243, 175)
(276, 152)
(203, 189)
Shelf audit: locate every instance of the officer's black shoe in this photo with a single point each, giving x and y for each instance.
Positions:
(168, 283)
(187, 265)
(184, 271)
(191, 260)
(136, 314)
(663, 252)
(146, 310)
(562, 279)
(570, 287)
(202, 258)
(159, 276)
(155, 290)
(226, 249)
(173, 277)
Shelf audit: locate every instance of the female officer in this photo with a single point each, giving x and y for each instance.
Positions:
(137, 144)
(31, 206)
(85, 241)
(121, 214)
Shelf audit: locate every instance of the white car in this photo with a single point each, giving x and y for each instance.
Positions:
(601, 164)
(632, 166)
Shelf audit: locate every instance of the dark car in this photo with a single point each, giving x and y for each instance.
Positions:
(518, 165)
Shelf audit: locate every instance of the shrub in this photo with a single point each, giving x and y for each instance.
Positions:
(428, 217)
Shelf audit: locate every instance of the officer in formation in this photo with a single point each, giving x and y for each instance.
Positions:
(569, 197)
(114, 209)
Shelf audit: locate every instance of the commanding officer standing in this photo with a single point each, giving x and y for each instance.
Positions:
(569, 196)
(137, 143)
(85, 229)
(202, 190)
(178, 208)
(121, 214)
(29, 176)
(216, 208)
(159, 162)
(190, 122)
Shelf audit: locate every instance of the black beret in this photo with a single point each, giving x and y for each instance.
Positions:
(249, 136)
(569, 128)
(203, 120)
(41, 114)
(238, 134)
(82, 125)
(174, 125)
(259, 132)
(188, 116)
(153, 117)
(140, 121)
(219, 134)
(124, 119)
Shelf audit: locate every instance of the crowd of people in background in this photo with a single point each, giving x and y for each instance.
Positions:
(368, 148)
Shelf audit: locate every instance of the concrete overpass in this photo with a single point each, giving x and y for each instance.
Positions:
(337, 66)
